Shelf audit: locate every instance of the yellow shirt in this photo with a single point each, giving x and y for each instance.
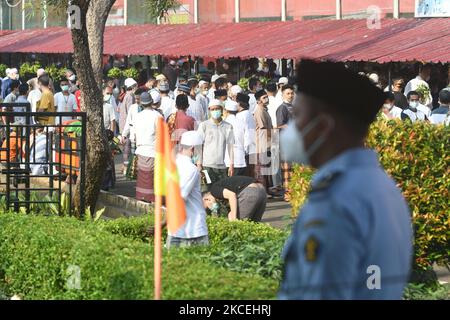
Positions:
(46, 104)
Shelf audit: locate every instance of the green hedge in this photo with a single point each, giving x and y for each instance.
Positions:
(417, 156)
(241, 246)
(36, 251)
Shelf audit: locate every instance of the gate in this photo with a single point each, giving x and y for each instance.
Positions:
(41, 160)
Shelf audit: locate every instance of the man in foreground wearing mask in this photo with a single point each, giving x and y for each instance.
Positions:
(217, 136)
(413, 113)
(195, 230)
(353, 237)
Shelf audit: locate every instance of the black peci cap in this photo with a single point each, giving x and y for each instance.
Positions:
(260, 93)
(242, 97)
(347, 92)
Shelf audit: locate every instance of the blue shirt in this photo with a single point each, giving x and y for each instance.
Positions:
(353, 235)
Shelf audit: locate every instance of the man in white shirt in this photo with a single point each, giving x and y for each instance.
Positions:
(202, 95)
(389, 110)
(421, 80)
(441, 114)
(65, 101)
(241, 139)
(254, 85)
(195, 110)
(167, 103)
(109, 116)
(280, 84)
(129, 131)
(412, 113)
(35, 95)
(250, 126)
(145, 126)
(272, 108)
(195, 230)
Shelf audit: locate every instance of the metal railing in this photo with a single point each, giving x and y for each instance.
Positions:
(45, 153)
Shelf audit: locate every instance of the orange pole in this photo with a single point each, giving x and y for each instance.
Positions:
(157, 253)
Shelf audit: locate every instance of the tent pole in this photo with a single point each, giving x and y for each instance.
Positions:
(390, 76)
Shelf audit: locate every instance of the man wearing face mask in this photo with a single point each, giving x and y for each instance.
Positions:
(65, 101)
(421, 80)
(195, 229)
(389, 110)
(412, 113)
(109, 116)
(355, 225)
(217, 136)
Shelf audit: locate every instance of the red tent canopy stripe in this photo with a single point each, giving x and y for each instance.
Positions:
(341, 40)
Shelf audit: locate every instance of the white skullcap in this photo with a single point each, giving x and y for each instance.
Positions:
(156, 97)
(13, 70)
(129, 82)
(172, 62)
(215, 102)
(235, 90)
(40, 72)
(215, 77)
(374, 77)
(283, 80)
(202, 82)
(161, 77)
(191, 139)
(231, 105)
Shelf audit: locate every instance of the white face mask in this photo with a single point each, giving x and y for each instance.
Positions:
(72, 78)
(388, 106)
(292, 143)
(414, 104)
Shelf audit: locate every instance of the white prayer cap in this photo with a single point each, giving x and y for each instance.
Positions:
(172, 63)
(156, 97)
(283, 80)
(231, 105)
(191, 139)
(40, 72)
(215, 102)
(235, 90)
(161, 77)
(202, 82)
(374, 77)
(13, 71)
(129, 82)
(215, 77)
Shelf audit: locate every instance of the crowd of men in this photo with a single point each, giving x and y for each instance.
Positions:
(239, 128)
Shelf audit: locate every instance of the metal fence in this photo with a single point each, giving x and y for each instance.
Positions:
(41, 160)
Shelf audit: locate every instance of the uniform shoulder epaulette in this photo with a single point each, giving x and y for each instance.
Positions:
(325, 182)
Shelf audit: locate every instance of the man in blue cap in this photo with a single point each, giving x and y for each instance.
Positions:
(353, 237)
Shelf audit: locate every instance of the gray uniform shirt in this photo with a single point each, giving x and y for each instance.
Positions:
(216, 138)
(353, 237)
